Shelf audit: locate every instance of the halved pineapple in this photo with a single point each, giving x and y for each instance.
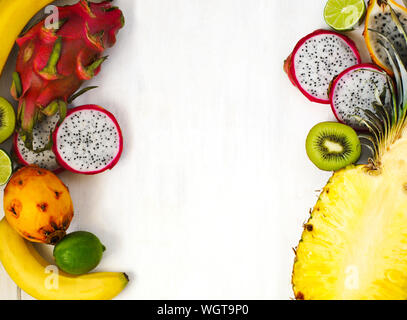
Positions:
(354, 246)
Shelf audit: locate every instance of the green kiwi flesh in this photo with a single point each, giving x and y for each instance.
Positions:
(332, 146)
(7, 120)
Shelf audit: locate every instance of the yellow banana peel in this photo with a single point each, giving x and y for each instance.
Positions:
(42, 280)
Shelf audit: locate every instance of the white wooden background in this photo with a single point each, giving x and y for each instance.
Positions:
(214, 184)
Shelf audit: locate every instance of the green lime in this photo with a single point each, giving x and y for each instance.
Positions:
(7, 120)
(78, 253)
(344, 15)
(6, 167)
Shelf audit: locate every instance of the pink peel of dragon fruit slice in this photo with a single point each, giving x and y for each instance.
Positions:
(41, 134)
(355, 90)
(317, 59)
(88, 141)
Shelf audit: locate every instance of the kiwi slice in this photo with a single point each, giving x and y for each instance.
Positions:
(332, 146)
(7, 120)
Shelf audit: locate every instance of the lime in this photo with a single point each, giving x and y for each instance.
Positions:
(343, 15)
(78, 253)
(6, 167)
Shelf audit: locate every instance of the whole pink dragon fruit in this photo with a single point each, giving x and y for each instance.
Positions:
(52, 64)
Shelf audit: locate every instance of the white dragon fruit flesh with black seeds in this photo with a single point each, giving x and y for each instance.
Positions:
(355, 90)
(317, 59)
(41, 137)
(88, 141)
(384, 24)
(379, 19)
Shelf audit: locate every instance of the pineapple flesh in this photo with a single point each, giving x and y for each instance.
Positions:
(354, 246)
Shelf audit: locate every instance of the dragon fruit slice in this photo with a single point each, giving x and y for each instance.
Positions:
(355, 90)
(317, 59)
(379, 18)
(88, 141)
(41, 135)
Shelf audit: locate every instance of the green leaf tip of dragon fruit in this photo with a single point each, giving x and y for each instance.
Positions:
(91, 70)
(53, 64)
(81, 92)
(50, 70)
(16, 88)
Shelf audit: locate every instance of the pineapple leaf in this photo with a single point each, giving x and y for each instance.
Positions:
(397, 22)
(396, 71)
(382, 112)
(380, 97)
(402, 82)
(390, 85)
(370, 143)
(370, 126)
(376, 123)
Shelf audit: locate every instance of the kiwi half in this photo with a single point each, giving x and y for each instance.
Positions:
(7, 120)
(332, 146)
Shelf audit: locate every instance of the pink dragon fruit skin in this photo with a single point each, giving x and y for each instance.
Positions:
(88, 141)
(53, 64)
(317, 59)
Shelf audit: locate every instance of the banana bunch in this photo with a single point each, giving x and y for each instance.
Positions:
(43, 281)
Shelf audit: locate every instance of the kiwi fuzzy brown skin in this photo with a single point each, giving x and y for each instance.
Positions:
(332, 146)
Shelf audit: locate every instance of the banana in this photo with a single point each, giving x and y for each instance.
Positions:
(38, 278)
(22, 262)
(14, 15)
